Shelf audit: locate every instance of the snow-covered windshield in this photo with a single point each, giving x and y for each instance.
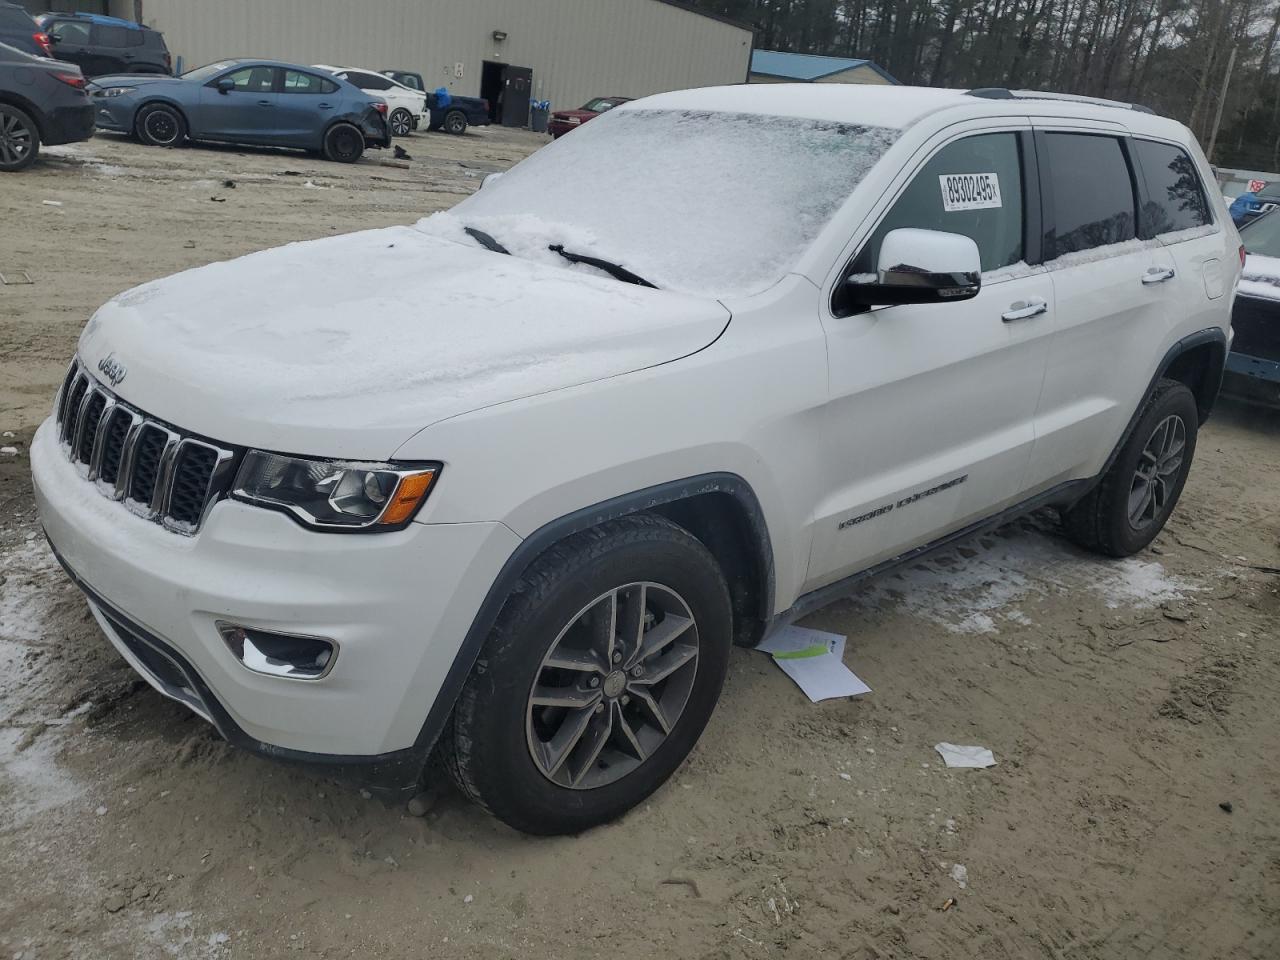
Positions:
(714, 204)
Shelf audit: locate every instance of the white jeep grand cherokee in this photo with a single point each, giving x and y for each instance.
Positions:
(511, 481)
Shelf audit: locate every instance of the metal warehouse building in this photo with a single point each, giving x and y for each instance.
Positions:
(574, 49)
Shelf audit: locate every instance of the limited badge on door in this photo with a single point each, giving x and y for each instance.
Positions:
(970, 191)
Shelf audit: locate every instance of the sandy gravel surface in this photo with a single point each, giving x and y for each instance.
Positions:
(1124, 702)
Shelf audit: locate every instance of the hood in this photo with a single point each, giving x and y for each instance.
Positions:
(580, 114)
(347, 346)
(131, 80)
(1261, 277)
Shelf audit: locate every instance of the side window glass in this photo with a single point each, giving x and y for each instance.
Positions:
(971, 187)
(1175, 196)
(133, 38)
(1092, 193)
(297, 82)
(110, 36)
(70, 32)
(253, 79)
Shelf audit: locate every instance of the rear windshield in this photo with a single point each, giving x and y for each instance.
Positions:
(706, 203)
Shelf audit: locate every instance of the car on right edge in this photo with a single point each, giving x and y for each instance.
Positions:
(670, 383)
(1253, 366)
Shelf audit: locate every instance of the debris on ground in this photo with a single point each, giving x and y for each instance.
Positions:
(815, 661)
(965, 757)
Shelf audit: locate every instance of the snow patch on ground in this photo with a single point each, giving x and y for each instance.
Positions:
(982, 593)
(175, 934)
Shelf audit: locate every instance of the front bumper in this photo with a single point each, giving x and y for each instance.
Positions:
(113, 113)
(397, 604)
(68, 124)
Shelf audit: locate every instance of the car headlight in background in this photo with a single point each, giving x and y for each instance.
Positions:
(109, 92)
(336, 494)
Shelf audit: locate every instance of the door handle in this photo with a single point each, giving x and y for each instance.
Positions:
(264, 103)
(1157, 275)
(1024, 310)
(325, 106)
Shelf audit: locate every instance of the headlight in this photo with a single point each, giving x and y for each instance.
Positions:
(336, 494)
(113, 92)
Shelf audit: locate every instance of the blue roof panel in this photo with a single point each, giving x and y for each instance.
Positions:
(806, 67)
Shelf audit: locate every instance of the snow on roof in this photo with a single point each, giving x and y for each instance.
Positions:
(865, 104)
(807, 67)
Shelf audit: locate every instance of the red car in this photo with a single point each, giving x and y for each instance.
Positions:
(563, 121)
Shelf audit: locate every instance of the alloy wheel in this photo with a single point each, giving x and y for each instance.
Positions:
(161, 127)
(401, 123)
(1156, 477)
(612, 686)
(16, 139)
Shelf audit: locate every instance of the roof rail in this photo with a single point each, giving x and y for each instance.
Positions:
(1003, 93)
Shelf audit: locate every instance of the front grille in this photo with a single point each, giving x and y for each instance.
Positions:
(1257, 326)
(160, 472)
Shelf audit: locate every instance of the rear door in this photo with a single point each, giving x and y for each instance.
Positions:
(245, 114)
(1117, 297)
(112, 52)
(307, 104)
(930, 423)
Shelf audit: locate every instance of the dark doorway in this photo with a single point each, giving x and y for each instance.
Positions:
(507, 89)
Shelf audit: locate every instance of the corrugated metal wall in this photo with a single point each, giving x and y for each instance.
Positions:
(577, 49)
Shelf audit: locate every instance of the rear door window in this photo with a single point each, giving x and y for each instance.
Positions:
(1090, 193)
(368, 81)
(297, 82)
(971, 187)
(107, 36)
(1175, 198)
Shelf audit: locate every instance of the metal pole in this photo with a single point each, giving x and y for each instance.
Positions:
(1222, 101)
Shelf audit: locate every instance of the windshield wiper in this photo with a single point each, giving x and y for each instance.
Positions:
(617, 271)
(485, 240)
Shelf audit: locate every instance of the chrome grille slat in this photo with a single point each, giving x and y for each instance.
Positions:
(112, 441)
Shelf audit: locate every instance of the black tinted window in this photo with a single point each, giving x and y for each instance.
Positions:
(1175, 198)
(111, 36)
(972, 187)
(69, 31)
(1092, 203)
(369, 81)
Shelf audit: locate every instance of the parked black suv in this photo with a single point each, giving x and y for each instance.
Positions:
(18, 29)
(40, 101)
(101, 45)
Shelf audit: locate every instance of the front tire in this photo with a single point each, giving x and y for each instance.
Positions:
(597, 680)
(455, 122)
(1129, 508)
(401, 122)
(343, 143)
(19, 139)
(160, 125)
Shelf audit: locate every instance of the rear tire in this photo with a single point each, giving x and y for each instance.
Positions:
(626, 628)
(19, 139)
(160, 125)
(1135, 498)
(455, 122)
(401, 122)
(343, 143)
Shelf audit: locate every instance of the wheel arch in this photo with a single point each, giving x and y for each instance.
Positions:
(720, 509)
(27, 107)
(165, 101)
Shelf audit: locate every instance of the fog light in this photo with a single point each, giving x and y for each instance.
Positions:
(279, 654)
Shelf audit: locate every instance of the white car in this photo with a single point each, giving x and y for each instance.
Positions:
(670, 383)
(406, 108)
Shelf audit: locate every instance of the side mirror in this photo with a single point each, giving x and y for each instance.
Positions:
(226, 85)
(490, 178)
(919, 266)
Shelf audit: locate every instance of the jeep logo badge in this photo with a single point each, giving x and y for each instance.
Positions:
(112, 369)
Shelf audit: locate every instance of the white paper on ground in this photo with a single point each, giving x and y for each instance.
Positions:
(975, 757)
(815, 661)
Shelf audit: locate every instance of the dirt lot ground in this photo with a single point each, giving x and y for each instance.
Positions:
(1125, 703)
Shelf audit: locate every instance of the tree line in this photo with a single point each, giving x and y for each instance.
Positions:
(1171, 55)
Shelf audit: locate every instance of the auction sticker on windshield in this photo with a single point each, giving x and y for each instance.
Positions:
(969, 191)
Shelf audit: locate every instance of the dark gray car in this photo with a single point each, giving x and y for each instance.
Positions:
(41, 101)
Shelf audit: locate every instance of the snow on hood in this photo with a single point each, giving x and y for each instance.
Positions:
(1261, 277)
(347, 346)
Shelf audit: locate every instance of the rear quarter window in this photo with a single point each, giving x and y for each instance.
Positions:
(108, 36)
(1175, 198)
